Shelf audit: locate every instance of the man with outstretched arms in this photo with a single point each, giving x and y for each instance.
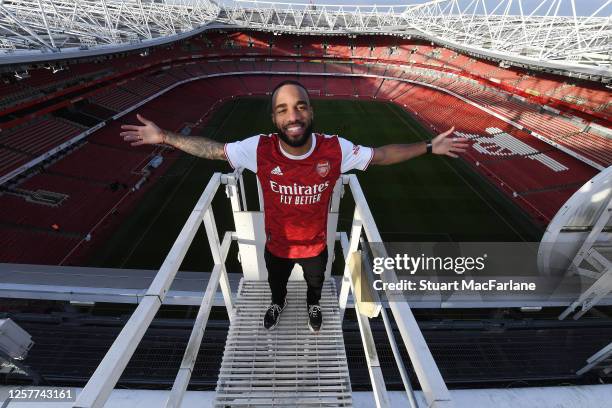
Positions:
(297, 170)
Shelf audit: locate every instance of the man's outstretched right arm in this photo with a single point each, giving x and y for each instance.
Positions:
(196, 145)
(150, 133)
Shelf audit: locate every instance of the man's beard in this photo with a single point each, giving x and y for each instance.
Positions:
(296, 142)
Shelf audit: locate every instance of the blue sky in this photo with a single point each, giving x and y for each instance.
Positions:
(583, 7)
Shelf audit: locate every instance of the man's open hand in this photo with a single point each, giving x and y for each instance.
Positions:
(449, 146)
(150, 133)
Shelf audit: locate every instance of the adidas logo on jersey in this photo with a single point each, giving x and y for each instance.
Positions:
(277, 171)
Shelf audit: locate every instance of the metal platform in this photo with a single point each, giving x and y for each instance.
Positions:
(87, 284)
(289, 366)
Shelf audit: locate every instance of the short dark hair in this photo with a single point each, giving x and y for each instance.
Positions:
(283, 83)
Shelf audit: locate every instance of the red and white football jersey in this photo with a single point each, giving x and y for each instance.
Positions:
(297, 189)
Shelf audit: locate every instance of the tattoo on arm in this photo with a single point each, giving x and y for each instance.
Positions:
(196, 145)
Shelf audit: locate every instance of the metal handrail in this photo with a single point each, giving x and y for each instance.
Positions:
(99, 387)
(434, 389)
(396, 353)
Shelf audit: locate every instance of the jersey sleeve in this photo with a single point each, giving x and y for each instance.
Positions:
(243, 153)
(354, 156)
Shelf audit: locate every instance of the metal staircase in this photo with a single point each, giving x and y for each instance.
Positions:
(289, 366)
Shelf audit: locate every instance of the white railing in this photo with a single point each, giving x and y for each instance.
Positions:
(104, 379)
(433, 386)
(100, 385)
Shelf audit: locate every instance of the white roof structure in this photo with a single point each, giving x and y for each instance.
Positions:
(549, 34)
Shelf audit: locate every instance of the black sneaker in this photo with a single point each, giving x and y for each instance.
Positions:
(315, 317)
(273, 315)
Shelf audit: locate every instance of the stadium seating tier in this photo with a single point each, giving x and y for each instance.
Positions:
(540, 178)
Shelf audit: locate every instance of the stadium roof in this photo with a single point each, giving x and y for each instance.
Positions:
(521, 32)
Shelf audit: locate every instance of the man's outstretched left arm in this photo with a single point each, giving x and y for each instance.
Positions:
(441, 145)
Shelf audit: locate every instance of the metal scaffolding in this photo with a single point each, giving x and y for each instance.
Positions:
(553, 34)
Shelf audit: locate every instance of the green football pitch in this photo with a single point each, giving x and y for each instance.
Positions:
(430, 198)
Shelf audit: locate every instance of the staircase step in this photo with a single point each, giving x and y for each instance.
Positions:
(289, 366)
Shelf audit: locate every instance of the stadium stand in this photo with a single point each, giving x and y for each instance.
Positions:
(340, 86)
(39, 135)
(16, 245)
(10, 159)
(580, 94)
(528, 167)
(311, 67)
(515, 161)
(16, 93)
(116, 98)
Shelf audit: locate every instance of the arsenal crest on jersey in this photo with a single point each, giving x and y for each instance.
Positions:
(323, 168)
